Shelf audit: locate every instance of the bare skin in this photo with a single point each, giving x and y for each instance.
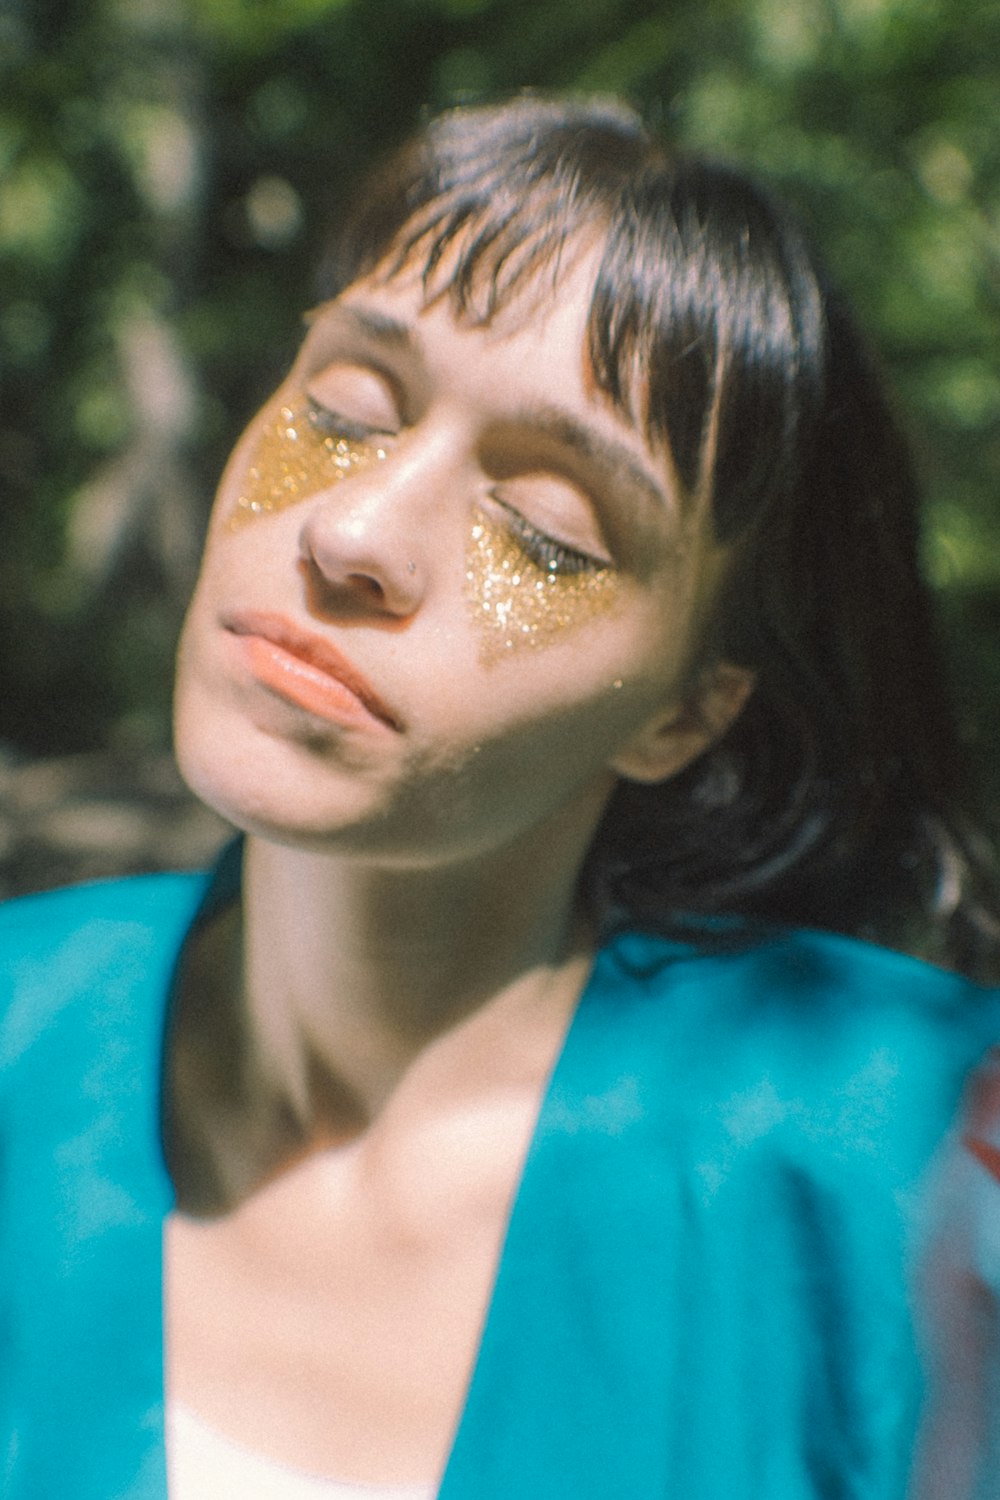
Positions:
(359, 1056)
(331, 1319)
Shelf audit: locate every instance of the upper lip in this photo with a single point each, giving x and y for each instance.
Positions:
(319, 653)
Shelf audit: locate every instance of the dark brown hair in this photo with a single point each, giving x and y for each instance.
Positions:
(839, 798)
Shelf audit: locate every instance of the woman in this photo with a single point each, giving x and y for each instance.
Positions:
(560, 651)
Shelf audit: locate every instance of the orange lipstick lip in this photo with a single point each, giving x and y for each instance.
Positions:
(307, 670)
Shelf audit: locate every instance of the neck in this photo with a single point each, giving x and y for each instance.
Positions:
(351, 971)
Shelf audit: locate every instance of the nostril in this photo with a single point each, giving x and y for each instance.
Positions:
(355, 595)
(355, 563)
(365, 584)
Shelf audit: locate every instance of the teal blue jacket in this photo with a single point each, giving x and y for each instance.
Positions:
(702, 1295)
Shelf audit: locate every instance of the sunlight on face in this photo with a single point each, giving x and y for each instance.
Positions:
(296, 457)
(518, 599)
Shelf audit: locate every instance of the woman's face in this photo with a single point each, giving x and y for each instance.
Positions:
(448, 594)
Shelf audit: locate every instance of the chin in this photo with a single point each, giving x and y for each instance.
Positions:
(259, 793)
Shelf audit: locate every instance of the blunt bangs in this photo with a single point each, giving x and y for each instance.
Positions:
(708, 294)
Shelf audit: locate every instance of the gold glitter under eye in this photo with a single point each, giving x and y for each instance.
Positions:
(515, 603)
(294, 459)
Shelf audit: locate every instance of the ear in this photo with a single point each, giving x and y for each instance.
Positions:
(679, 734)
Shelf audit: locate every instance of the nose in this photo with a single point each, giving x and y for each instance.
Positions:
(365, 543)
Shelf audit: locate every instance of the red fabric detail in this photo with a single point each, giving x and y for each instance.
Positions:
(987, 1155)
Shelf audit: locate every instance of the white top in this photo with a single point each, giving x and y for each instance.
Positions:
(203, 1464)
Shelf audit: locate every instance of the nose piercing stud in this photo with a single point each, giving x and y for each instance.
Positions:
(411, 567)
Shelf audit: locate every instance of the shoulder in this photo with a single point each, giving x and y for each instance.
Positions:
(105, 945)
(90, 923)
(799, 979)
(27, 920)
(808, 1040)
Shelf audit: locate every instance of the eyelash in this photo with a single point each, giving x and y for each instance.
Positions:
(332, 424)
(548, 554)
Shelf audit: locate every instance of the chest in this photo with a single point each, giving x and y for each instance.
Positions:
(333, 1320)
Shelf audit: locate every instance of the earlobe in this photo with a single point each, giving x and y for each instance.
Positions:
(680, 733)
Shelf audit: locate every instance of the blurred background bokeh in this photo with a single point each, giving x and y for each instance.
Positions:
(167, 172)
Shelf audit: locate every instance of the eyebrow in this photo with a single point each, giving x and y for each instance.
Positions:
(613, 461)
(380, 326)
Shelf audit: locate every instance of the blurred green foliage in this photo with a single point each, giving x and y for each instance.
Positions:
(166, 173)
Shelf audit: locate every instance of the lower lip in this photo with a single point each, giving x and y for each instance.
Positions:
(304, 685)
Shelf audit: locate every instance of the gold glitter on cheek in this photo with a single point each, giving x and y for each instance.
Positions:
(516, 604)
(294, 459)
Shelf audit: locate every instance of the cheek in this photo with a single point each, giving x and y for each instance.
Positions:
(290, 460)
(516, 605)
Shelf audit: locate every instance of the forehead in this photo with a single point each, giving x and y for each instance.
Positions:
(535, 343)
(499, 294)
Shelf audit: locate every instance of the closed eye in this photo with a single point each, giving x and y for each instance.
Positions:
(352, 399)
(334, 424)
(552, 556)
